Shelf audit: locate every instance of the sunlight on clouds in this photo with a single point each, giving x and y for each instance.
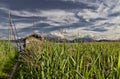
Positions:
(60, 16)
(19, 25)
(89, 14)
(115, 20)
(100, 12)
(102, 24)
(23, 25)
(51, 23)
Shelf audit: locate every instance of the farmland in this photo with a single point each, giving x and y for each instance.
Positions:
(92, 60)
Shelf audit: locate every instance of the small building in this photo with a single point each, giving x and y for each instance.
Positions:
(33, 39)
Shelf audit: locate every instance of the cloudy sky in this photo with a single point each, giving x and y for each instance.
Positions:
(98, 19)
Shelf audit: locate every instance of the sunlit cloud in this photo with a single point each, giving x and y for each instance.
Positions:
(103, 20)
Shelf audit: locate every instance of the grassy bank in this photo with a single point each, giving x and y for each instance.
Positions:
(7, 58)
(71, 61)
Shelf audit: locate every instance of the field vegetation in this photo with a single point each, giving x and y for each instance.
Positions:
(92, 60)
(7, 59)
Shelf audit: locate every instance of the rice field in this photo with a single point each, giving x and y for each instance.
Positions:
(92, 60)
(7, 59)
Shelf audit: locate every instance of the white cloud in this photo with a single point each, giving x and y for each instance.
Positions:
(112, 20)
(100, 12)
(4, 25)
(16, 12)
(99, 23)
(90, 14)
(19, 25)
(59, 16)
(51, 23)
(115, 20)
(113, 33)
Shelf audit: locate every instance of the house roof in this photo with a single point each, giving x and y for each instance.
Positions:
(33, 35)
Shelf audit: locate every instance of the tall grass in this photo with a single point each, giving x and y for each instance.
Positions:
(71, 61)
(7, 58)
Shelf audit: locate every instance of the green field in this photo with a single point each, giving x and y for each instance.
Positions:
(7, 59)
(94, 60)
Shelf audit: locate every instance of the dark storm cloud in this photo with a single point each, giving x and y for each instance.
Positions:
(43, 4)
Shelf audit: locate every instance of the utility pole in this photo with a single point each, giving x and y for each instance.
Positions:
(13, 36)
(13, 33)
